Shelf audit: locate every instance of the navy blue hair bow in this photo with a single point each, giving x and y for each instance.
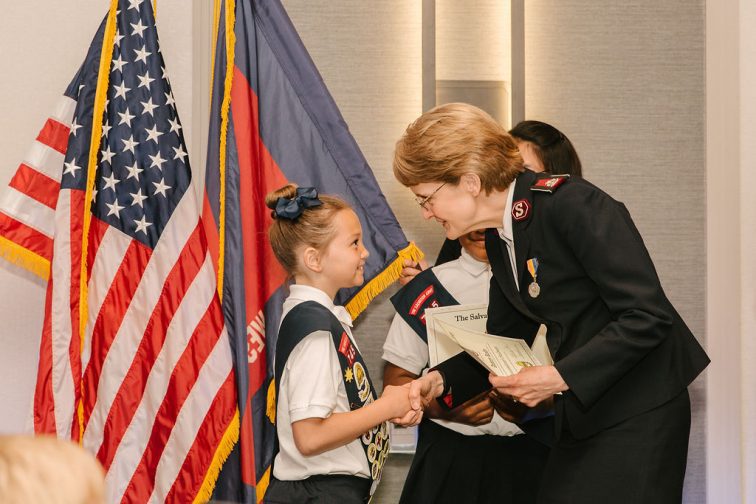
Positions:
(291, 208)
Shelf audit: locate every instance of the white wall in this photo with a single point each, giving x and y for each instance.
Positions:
(42, 44)
(731, 249)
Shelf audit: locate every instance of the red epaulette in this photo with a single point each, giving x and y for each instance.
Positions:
(549, 184)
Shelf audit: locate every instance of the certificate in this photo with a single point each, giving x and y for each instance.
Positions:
(454, 329)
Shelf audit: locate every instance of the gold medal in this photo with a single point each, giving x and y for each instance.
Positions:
(534, 290)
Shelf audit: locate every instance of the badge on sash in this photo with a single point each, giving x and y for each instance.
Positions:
(533, 289)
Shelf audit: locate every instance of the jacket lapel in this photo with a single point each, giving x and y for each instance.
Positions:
(524, 195)
(498, 256)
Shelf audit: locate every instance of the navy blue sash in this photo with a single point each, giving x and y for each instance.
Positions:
(309, 317)
(424, 291)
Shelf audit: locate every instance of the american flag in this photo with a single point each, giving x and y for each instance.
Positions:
(135, 362)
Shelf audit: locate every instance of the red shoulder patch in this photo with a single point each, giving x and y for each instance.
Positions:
(420, 300)
(549, 184)
(521, 210)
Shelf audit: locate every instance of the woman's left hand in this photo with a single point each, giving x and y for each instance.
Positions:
(531, 385)
(411, 269)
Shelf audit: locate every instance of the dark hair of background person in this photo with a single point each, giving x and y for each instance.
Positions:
(555, 151)
(552, 146)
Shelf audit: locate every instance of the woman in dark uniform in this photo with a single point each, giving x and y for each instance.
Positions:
(565, 254)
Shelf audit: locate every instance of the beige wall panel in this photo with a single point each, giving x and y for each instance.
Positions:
(369, 57)
(625, 81)
(472, 40)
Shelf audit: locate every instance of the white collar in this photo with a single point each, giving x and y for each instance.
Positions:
(308, 293)
(472, 265)
(505, 232)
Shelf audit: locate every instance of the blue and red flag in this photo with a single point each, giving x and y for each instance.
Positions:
(272, 122)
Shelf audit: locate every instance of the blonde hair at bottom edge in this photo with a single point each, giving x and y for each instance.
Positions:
(48, 470)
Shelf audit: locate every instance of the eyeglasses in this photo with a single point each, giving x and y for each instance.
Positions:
(423, 202)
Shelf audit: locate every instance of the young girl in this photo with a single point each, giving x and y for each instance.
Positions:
(331, 430)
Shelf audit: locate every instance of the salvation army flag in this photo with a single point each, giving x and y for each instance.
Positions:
(135, 361)
(273, 121)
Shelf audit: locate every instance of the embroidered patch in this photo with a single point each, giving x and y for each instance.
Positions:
(420, 300)
(520, 210)
(347, 349)
(549, 184)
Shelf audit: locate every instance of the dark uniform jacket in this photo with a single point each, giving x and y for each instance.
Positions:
(617, 341)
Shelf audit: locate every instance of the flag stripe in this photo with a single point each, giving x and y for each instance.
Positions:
(73, 261)
(107, 299)
(132, 387)
(29, 211)
(175, 470)
(44, 410)
(54, 134)
(36, 185)
(64, 111)
(97, 230)
(121, 355)
(168, 391)
(26, 236)
(115, 304)
(45, 160)
(63, 381)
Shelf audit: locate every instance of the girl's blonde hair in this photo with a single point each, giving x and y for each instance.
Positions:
(453, 139)
(313, 228)
(49, 470)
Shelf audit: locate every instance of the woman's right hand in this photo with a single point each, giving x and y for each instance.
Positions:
(396, 399)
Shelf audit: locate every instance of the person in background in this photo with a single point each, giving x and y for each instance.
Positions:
(469, 453)
(330, 425)
(543, 149)
(546, 149)
(565, 254)
(50, 470)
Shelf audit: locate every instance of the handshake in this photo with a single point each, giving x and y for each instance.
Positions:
(534, 387)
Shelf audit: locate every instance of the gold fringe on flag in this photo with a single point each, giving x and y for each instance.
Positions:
(231, 436)
(224, 449)
(103, 76)
(24, 258)
(262, 485)
(228, 81)
(377, 284)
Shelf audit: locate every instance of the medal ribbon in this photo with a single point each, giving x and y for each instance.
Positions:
(533, 267)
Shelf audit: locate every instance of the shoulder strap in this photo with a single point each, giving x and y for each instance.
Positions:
(309, 317)
(424, 291)
(303, 319)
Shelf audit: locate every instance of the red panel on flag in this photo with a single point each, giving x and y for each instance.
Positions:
(26, 236)
(54, 134)
(44, 416)
(36, 185)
